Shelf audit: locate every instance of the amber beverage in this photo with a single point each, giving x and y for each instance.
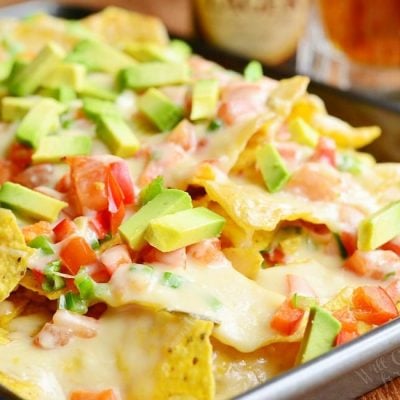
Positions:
(367, 31)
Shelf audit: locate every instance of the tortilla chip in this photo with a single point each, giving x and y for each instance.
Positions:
(22, 388)
(13, 253)
(247, 261)
(186, 371)
(288, 91)
(118, 26)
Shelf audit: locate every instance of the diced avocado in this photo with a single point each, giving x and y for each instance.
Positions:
(145, 75)
(168, 202)
(379, 228)
(62, 93)
(30, 202)
(117, 135)
(204, 99)
(320, 334)
(272, 167)
(174, 231)
(93, 108)
(14, 108)
(154, 188)
(253, 71)
(34, 74)
(66, 74)
(99, 56)
(94, 91)
(303, 133)
(160, 109)
(40, 121)
(6, 68)
(54, 148)
(180, 47)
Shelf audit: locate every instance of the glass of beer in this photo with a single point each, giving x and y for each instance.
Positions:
(353, 44)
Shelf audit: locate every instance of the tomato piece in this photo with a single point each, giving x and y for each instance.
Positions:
(274, 256)
(101, 224)
(373, 305)
(77, 253)
(344, 337)
(38, 275)
(6, 171)
(99, 272)
(318, 229)
(108, 394)
(325, 151)
(347, 319)
(88, 184)
(115, 196)
(120, 172)
(63, 229)
(64, 184)
(373, 264)
(20, 155)
(41, 228)
(286, 319)
(113, 257)
(393, 245)
(117, 218)
(298, 284)
(349, 241)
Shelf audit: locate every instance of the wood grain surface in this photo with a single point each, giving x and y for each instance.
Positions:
(177, 14)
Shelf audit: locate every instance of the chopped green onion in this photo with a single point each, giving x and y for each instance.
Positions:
(389, 275)
(172, 280)
(72, 302)
(53, 281)
(349, 163)
(155, 187)
(253, 71)
(86, 285)
(95, 245)
(215, 303)
(214, 125)
(42, 243)
(141, 268)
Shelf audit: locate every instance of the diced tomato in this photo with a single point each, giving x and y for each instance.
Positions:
(298, 284)
(97, 310)
(77, 253)
(347, 319)
(319, 229)
(100, 223)
(108, 394)
(34, 176)
(6, 171)
(64, 184)
(393, 245)
(207, 251)
(20, 155)
(117, 218)
(120, 172)
(344, 337)
(41, 228)
(393, 290)
(113, 257)
(38, 275)
(274, 256)
(286, 319)
(349, 241)
(373, 264)
(176, 258)
(88, 184)
(373, 305)
(63, 229)
(325, 151)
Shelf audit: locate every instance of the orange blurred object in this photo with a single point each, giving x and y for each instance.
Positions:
(367, 31)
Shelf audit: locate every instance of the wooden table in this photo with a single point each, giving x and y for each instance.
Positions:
(177, 16)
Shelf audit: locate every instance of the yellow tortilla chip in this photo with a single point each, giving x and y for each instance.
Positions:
(119, 27)
(344, 134)
(245, 260)
(288, 91)
(186, 372)
(307, 107)
(25, 389)
(13, 253)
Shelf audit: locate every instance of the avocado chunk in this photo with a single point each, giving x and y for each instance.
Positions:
(15, 108)
(320, 334)
(303, 133)
(154, 188)
(167, 202)
(94, 108)
(65, 74)
(63, 93)
(40, 121)
(6, 68)
(29, 78)
(379, 228)
(174, 231)
(253, 71)
(146, 75)
(272, 167)
(30, 202)
(117, 135)
(160, 109)
(54, 148)
(99, 56)
(94, 91)
(204, 99)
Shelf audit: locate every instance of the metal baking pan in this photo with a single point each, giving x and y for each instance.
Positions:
(356, 367)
